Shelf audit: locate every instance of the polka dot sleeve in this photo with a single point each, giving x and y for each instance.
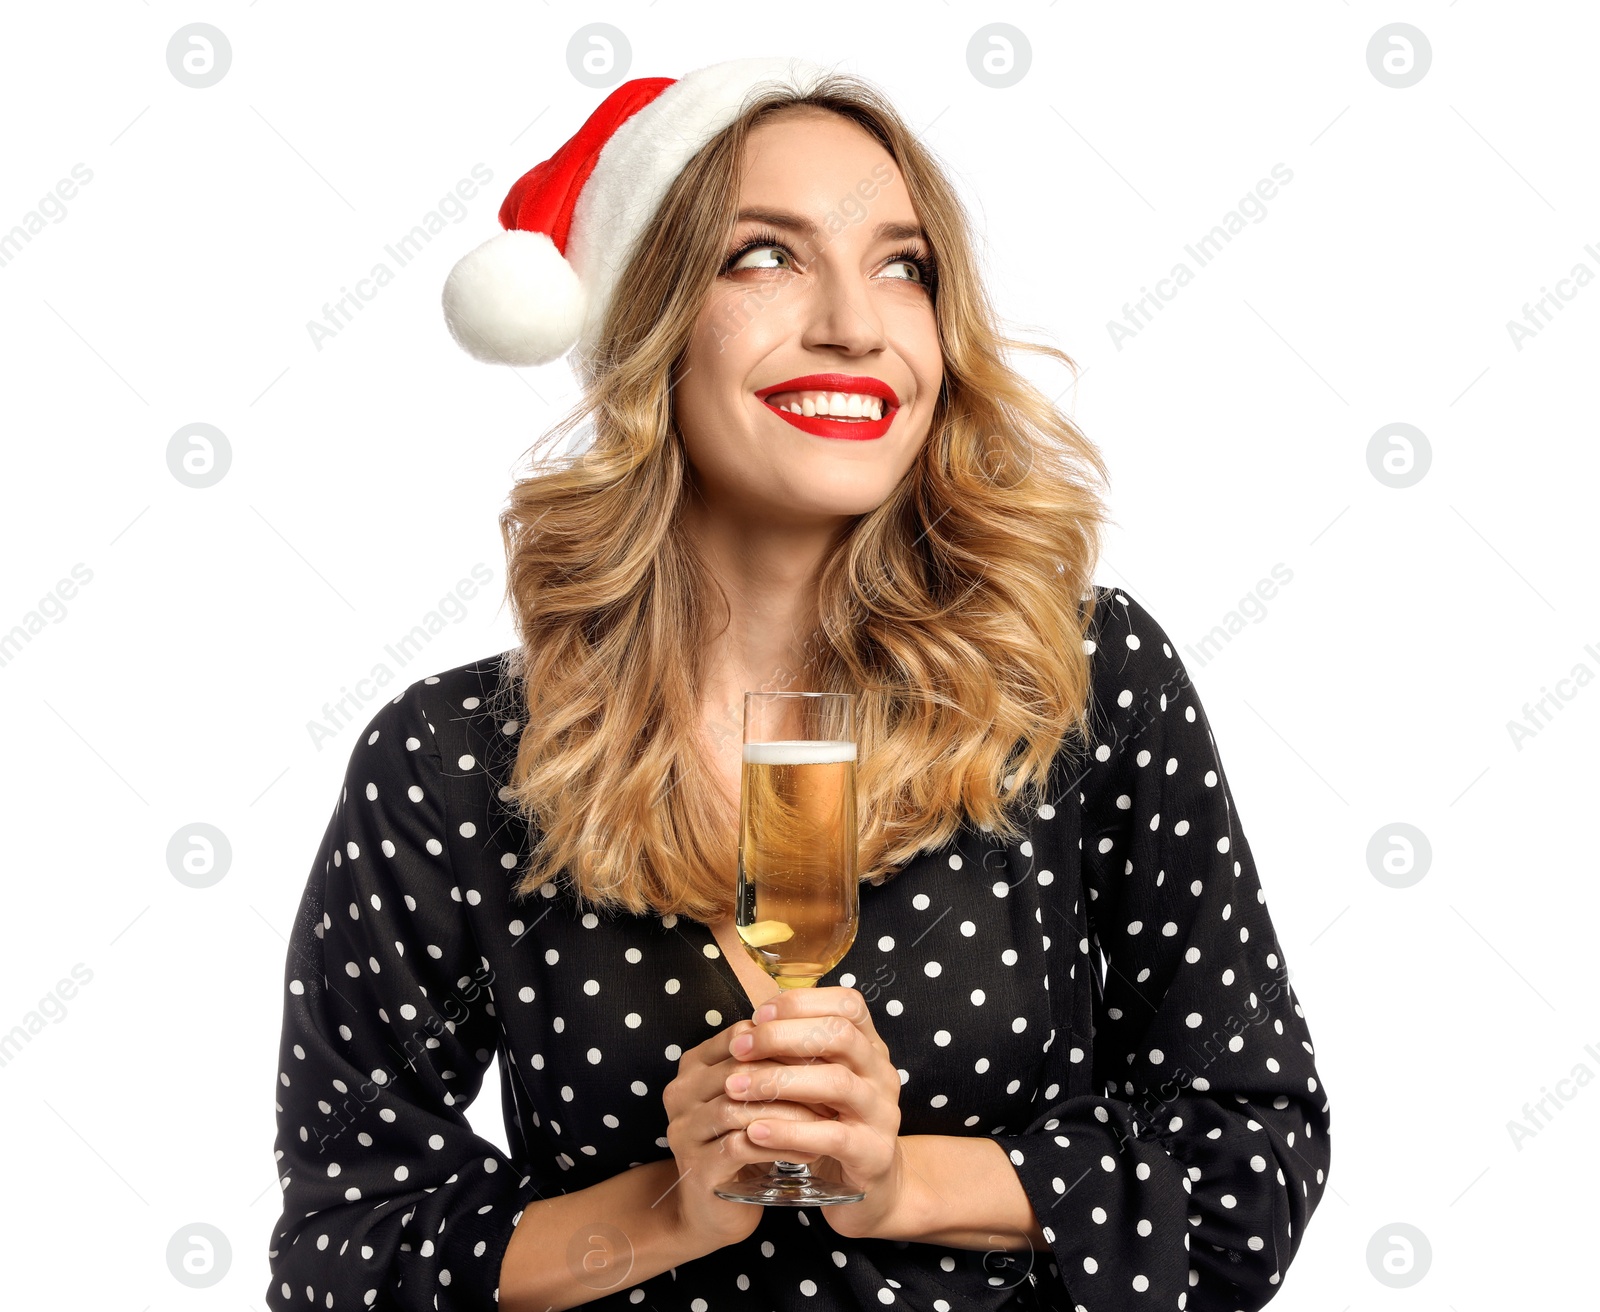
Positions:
(1189, 1182)
(389, 1198)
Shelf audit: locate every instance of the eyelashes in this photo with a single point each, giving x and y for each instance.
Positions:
(927, 269)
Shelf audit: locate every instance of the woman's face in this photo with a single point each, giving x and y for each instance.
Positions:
(846, 298)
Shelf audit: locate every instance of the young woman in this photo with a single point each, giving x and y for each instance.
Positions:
(1061, 1059)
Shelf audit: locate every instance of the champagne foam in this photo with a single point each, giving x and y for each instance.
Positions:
(799, 753)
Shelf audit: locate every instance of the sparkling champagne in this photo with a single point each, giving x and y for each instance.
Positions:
(797, 904)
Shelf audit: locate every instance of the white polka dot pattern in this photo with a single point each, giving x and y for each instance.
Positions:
(1166, 1121)
(390, 1199)
(1188, 1169)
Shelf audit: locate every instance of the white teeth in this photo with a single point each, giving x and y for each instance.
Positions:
(836, 405)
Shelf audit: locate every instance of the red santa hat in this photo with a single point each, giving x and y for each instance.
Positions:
(529, 294)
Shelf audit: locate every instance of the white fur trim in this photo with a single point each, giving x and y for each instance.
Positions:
(514, 300)
(644, 155)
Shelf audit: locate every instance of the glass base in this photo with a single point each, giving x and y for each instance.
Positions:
(788, 1184)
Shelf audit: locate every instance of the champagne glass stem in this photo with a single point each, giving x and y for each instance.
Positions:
(793, 1170)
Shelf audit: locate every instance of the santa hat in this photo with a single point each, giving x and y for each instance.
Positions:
(529, 294)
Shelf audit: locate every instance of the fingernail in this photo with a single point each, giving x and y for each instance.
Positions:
(766, 1011)
(759, 1130)
(743, 1044)
(738, 1083)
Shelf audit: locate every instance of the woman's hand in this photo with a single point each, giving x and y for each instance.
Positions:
(706, 1133)
(818, 1047)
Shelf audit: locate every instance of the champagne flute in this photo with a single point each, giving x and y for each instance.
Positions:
(798, 901)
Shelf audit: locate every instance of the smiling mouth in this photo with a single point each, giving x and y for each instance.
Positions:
(843, 406)
(819, 423)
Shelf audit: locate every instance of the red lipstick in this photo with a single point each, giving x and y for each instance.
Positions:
(825, 426)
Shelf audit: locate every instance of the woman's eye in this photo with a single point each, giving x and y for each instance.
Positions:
(741, 261)
(774, 255)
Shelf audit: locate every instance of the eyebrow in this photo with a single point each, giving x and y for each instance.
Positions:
(798, 223)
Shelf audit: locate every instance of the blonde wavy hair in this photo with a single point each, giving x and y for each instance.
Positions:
(955, 611)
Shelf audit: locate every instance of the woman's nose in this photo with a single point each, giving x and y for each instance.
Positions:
(841, 315)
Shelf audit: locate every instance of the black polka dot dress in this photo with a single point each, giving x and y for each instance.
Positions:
(1107, 1000)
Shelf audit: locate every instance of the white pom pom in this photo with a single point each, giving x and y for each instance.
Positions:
(514, 300)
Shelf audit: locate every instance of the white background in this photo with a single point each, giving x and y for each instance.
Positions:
(365, 478)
